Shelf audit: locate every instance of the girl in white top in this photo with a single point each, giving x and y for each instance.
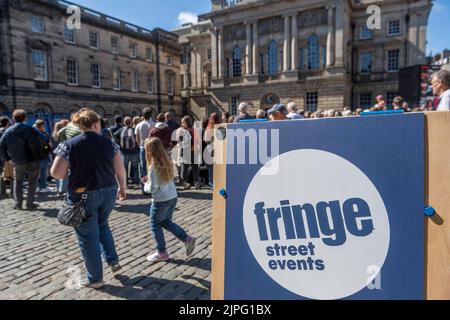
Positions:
(160, 184)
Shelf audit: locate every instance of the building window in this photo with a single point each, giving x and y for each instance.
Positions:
(237, 62)
(117, 79)
(365, 100)
(390, 96)
(96, 76)
(228, 3)
(149, 54)
(365, 33)
(69, 35)
(133, 50)
(234, 105)
(150, 84)
(281, 60)
(115, 45)
(313, 52)
(39, 64)
(93, 40)
(301, 59)
(393, 60)
(72, 71)
(312, 101)
(261, 63)
(209, 79)
(183, 84)
(186, 56)
(324, 57)
(209, 53)
(170, 85)
(37, 24)
(366, 62)
(394, 28)
(169, 60)
(272, 58)
(134, 81)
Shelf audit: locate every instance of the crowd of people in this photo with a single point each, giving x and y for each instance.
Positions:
(441, 102)
(87, 157)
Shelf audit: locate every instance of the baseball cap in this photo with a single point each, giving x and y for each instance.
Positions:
(277, 108)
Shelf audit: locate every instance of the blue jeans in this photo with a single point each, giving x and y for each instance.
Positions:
(142, 163)
(132, 159)
(43, 174)
(161, 217)
(210, 174)
(94, 236)
(61, 185)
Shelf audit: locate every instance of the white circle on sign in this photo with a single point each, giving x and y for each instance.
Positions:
(327, 178)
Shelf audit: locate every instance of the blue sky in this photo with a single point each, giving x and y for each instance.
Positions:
(167, 14)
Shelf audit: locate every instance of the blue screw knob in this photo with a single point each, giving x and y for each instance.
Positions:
(429, 211)
(223, 193)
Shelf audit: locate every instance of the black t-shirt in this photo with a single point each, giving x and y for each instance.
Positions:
(91, 161)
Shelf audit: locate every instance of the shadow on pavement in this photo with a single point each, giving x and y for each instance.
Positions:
(204, 264)
(151, 288)
(195, 196)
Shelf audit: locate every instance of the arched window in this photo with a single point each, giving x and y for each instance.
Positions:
(3, 108)
(135, 113)
(273, 57)
(99, 110)
(119, 112)
(313, 53)
(42, 111)
(236, 62)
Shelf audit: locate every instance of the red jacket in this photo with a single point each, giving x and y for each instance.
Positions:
(164, 133)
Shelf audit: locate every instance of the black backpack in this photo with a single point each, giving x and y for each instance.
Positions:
(38, 146)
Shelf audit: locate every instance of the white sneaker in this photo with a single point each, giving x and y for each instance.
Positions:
(45, 190)
(96, 285)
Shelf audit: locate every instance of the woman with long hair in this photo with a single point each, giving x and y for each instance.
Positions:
(189, 146)
(159, 183)
(209, 139)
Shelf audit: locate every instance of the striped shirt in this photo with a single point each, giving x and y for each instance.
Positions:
(68, 132)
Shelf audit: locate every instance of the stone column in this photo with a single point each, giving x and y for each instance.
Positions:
(340, 36)
(199, 70)
(215, 61)
(194, 67)
(330, 37)
(286, 48)
(220, 52)
(248, 49)
(422, 43)
(294, 43)
(255, 48)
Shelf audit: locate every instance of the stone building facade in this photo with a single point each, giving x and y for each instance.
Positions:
(112, 66)
(318, 53)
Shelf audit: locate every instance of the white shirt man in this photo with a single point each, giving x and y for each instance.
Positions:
(441, 88)
(142, 131)
(444, 101)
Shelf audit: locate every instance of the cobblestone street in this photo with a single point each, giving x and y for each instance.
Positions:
(39, 258)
